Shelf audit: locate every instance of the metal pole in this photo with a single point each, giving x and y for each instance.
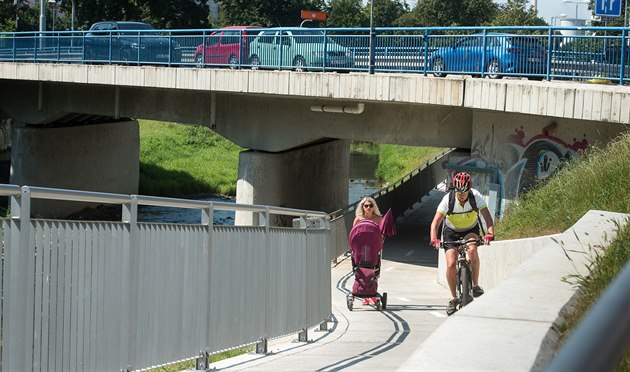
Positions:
(576, 9)
(371, 57)
(17, 15)
(74, 5)
(42, 15)
(625, 14)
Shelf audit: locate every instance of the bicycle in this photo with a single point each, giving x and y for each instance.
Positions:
(463, 269)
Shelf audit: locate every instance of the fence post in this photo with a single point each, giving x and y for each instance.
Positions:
(130, 323)
(19, 265)
(207, 219)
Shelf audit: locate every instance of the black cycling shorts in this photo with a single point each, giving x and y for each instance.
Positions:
(449, 235)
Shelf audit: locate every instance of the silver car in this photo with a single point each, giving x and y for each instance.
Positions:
(300, 49)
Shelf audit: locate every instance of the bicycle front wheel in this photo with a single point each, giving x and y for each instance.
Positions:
(466, 283)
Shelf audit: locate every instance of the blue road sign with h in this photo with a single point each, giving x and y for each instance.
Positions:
(608, 8)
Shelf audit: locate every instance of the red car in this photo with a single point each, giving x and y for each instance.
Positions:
(227, 46)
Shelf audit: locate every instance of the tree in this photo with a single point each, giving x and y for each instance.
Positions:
(173, 14)
(17, 16)
(346, 13)
(440, 13)
(517, 13)
(265, 13)
(386, 12)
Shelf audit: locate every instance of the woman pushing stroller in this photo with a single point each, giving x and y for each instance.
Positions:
(366, 245)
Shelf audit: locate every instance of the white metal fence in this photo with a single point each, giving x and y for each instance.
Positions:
(130, 295)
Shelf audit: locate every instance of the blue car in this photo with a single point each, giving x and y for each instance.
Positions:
(129, 43)
(505, 54)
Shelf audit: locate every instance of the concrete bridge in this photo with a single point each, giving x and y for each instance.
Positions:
(73, 126)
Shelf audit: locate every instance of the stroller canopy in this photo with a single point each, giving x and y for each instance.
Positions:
(366, 243)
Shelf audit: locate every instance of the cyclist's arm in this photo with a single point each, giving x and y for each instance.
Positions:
(488, 219)
(437, 219)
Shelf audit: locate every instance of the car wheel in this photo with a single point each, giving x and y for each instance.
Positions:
(494, 69)
(88, 56)
(438, 67)
(233, 62)
(199, 60)
(255, 62)
(299, 63)
(125, 56)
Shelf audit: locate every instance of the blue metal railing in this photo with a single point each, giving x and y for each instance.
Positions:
(576, 53)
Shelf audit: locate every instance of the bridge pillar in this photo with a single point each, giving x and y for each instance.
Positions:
(311, 177)
(96, 157)
(5, 147)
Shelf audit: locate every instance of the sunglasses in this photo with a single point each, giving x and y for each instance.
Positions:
(368, 205)
(461, 193)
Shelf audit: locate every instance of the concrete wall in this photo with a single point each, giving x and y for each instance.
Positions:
(313, 177)
(99, 157)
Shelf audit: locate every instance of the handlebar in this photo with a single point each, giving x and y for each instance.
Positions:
(460, 242)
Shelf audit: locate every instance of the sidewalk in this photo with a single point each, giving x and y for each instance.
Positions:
(366, 339)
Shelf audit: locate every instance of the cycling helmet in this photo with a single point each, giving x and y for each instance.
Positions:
(462, 182)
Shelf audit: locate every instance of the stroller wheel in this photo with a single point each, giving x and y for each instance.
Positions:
(350, 302)
(384, 299)
(378, 304)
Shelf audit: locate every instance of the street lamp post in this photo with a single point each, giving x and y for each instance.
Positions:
(371, 56)
(42, 15)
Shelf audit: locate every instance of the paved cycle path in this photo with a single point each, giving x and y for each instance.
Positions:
(367, 339)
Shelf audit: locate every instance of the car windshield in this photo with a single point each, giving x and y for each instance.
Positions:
(308, 37)
(525, 42)
(134, 26)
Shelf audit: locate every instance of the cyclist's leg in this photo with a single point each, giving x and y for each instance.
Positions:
(451, 270)
(451, 260)
(473, 255)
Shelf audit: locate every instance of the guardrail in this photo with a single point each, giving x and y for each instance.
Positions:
(80, 295)
(525, 51)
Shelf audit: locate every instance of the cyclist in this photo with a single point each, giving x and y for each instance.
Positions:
(461, 217)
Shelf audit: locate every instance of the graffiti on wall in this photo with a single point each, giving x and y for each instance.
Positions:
(523, 161)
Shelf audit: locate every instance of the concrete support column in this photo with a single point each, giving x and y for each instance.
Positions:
(312, 177)
(98, 157)
(5, 147)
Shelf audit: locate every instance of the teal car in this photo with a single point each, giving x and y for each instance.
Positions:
(298, 48)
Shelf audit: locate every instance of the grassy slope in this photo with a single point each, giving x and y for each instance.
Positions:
(395, 161)
(178, 160)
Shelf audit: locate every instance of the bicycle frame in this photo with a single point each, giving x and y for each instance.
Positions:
(464, 286)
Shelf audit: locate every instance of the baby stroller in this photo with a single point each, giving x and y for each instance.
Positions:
(366, 245)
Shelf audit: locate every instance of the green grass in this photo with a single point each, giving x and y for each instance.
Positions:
(178, 160)
(190, 364)
(597, 181)
(395, 161)
(604, 267)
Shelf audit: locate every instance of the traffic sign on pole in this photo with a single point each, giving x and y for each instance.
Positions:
(608, 8)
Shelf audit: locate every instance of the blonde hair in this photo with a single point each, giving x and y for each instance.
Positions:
(359, 211)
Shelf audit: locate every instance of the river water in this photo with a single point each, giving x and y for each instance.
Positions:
(360, 184)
